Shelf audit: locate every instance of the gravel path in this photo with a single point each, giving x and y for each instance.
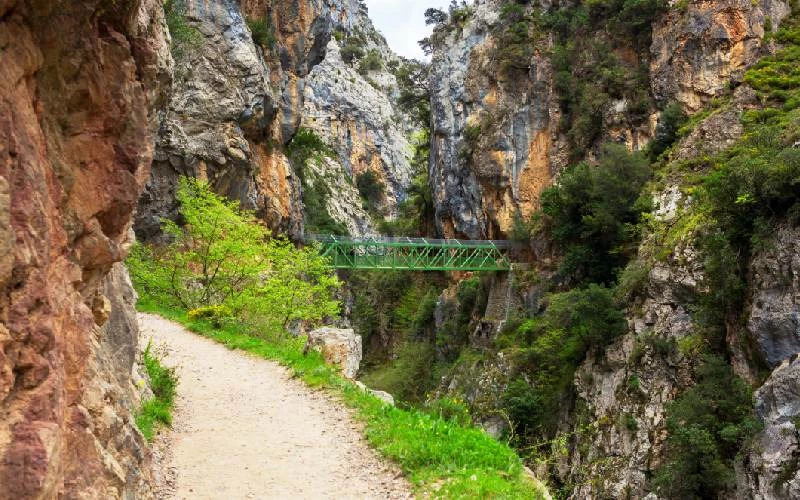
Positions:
(243, 429)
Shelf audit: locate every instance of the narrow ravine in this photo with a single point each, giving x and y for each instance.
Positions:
(242, 428)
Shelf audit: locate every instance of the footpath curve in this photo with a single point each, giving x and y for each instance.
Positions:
(242, 428)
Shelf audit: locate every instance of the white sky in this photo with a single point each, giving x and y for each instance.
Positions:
(402, 22)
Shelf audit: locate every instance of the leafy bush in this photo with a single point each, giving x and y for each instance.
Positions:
(216, 314)
(352, 50)
(262, 32)
(371, 62)
(670, 121)
(184, 36)
(370, 188)
(593, 211)
(450, 409)
(307, 146)
(222, 259)
(158, 409)
(708, 424)
(551, 347)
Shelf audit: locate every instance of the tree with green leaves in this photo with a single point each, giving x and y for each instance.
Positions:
(222, 255)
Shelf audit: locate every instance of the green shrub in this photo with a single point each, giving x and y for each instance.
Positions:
(352, 50)
(593, 212)
(184, 36)
(670, 121)
(157, 410)
(371, 188)
(708, 424)
(216, 314)
(222, 259)
(262, 33)
(371, 62)
(307, 146)
(551, 347)
(450, 409)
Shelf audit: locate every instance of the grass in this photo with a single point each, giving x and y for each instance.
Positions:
(440, 457)
(157, 411)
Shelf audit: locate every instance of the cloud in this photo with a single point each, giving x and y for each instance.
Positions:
(402, 22)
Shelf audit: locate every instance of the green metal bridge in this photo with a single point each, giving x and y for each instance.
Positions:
(414, 254)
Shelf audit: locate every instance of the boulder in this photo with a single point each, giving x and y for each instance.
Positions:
(339, 346)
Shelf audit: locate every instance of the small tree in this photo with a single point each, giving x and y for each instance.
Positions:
(223, 256)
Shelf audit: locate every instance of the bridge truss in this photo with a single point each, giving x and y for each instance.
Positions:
(414, 254)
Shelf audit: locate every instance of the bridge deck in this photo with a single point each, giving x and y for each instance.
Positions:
(417, 254)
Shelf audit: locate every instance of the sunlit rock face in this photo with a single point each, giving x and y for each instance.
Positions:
(698, 50)
(481, 183)
(76, 124)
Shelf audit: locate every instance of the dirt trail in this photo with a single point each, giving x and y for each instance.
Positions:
(243, 429)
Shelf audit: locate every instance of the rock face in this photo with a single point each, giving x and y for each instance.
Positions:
(772, 468)
(236, 104)
(339, 346)
(698, 50)
(76, 125)
(775, 311)
(480, 183)
(355, 112)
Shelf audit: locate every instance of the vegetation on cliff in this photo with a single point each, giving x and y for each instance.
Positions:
(157, 411)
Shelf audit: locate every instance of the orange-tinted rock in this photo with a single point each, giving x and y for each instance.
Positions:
(75, 147)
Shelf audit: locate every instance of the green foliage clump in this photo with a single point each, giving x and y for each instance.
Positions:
(184, 36)
(371, 188)
(262, 33)
(222, 258)
(157, 410)
(551, 346)
(708, 424)
(370, 62)
(305, 147)
(588, 73)
(353, 49)
(413, 84)
(593, 211)
(517, 35)
(669, 123)
(441, 457)
(216, 314)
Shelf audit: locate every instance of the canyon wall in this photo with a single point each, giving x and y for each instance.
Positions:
(77, 117)
(239, 99)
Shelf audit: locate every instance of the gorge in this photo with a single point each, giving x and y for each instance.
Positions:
(644, 156)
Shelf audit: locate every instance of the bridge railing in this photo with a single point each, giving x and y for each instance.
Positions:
(423, 254)
(408, 242)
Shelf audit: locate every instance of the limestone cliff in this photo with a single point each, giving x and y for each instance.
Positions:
(500, 136)
(76, 123)
(248, 77)
(506, 121)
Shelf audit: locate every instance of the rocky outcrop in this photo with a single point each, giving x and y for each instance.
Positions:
(774, 321)
(771, 469)
(237, 102)
(226, 111)
(339, 346)
(355, 112)
(697, 50)
(76, 124)
(495, 143)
